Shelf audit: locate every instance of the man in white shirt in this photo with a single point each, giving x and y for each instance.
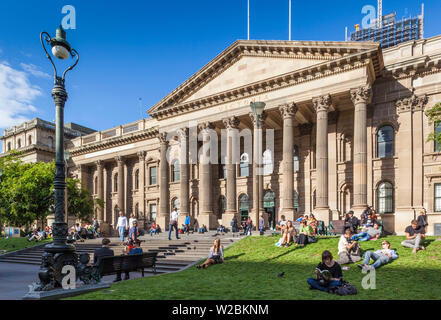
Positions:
(132, 220)
(348, 250)
(122, 226)
(173, 223)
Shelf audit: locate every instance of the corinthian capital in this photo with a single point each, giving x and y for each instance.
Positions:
(99, 163)
(288, 110)
(412, 103)
(182, 133)
(262, 118)
(163, 138)
(231, 122)
(322, 103)
(205, 126)
(362, 94)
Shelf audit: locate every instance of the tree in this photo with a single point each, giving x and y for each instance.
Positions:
(434, 115)
(80, 201)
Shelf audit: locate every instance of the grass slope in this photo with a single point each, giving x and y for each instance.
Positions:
(13, 244)
(253, 263)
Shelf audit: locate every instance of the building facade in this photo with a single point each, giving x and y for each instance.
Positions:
(349, 127)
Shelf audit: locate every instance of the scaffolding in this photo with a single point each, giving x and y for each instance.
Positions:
(392, 32)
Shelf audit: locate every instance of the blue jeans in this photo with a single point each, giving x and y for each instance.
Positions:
(121, 233)
(379, 259)
(248, 229)
(170, 228)
(315, 284)
(362, 236)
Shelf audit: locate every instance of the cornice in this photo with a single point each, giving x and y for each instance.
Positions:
(115, 142)
(30, 149)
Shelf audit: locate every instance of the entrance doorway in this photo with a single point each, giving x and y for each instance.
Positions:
(270, 207)
(243, 207)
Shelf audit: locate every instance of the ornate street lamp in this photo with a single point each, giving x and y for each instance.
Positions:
(59, 253)
(257, 109)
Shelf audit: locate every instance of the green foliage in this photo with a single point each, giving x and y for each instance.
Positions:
(434, 115)
(80, 201)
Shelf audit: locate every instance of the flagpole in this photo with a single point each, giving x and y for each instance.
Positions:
(289, 20)
(248, 14)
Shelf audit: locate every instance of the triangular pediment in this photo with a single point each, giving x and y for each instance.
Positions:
(250, 61)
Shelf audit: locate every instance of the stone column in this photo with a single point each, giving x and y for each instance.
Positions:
(258, 168)
(205, 187)
(288, 112)
(120, 162)
(184, 182)
(321, 106)
(305, 167)
(141, 187)
(231, 124)
(100, 188)
(361, 97)
(164, 194)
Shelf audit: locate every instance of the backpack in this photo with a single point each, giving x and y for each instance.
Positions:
(345, 289)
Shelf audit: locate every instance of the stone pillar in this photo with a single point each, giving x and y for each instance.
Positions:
(120, 162)
(141, 189)
(405, 207)
(184, 182)
(288, 112)
(231, 124)
(164, 194)
(205, 188)
(361, 97)
(258, 209)
(305, 167)
(321, 106)
(104, 225)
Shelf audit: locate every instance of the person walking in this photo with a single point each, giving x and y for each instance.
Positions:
(173, 223)
(249, 227)
(122, 226)
(187, 224)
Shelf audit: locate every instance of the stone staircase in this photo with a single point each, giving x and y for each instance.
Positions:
(173, 255)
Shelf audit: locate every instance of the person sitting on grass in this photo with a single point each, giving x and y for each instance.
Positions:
(305, 232)
(351, 222)
(348, 250)
(328, 274)
(313, 223)
(380, 257)
(369, 233)
(288, 234)
(415, 235)
(281, 224)
(215, 256)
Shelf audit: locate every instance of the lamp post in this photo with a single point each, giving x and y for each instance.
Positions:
(66, 166)
(257, 109)
(59, 253)
(1, 224)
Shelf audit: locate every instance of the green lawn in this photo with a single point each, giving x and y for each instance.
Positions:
(253, 263)
(12, 244)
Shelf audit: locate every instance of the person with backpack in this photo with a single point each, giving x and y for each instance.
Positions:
(327, 275)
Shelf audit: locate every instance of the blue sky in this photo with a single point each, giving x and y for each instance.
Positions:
(144, 49)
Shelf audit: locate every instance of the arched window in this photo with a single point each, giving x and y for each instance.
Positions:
(51, 142)
(243, 206)
(268, 162)
(268, 199)
(385, 197)
(296, 159)
(137, 211)
(296, 201)
(222, 206)
(19, 143)
(30, 140)
(437, 132)
(115, 183)
(9, 146)
(152, 207)
(176, 203)
(137, 179)
(176, 177)
(385, 142)
(244, 165)
(95, 186)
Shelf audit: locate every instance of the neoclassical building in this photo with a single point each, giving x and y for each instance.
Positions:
(349, 129)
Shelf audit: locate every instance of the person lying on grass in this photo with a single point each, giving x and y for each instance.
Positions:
(380, 257)
(288, 234)
(368, 233)
(216, 255)
(327, 275)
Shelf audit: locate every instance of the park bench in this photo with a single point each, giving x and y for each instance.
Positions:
(125, 263)
(335, 227)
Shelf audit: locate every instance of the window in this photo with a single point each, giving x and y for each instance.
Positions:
(152, 176)
(243, 206)
(19, 143)
(244, 165)
(137, 211)
(296, 159)
(437, 206)
(115, 183)
(296, 201)
(267, 162)
(222, 206)
(153, 212)
(176, 170)
(437, 132)
(9, 146)
(385, 142)
(51, 142)
(385, 199)
(137, 179)
(176, 204)
(30, 140)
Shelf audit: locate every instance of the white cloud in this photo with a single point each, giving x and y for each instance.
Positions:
(34, 70)
(17, 95)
